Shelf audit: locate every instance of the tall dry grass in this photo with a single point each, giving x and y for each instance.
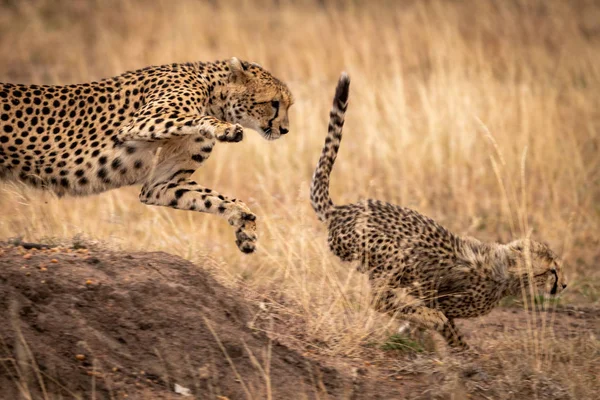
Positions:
(482, 115)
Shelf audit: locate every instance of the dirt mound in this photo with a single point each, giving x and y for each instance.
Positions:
(100, 324)
(137, 324)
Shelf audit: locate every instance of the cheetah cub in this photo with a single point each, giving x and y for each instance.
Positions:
(418, 270)
(92, 137)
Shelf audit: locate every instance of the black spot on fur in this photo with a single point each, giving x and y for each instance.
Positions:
(180, 192)
(116, 163)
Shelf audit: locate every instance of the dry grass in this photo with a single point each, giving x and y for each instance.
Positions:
(482, 115)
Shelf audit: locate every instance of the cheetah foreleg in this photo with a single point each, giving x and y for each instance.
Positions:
(185, 194)
(429, 318)
(173, 125)
(399, 302)
(453, 337)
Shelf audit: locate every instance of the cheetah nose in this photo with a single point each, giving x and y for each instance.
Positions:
(564, 285)
(283, 130)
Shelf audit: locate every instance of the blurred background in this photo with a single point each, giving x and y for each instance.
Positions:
(483, 115)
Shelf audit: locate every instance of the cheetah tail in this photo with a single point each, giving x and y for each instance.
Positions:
(319, 190)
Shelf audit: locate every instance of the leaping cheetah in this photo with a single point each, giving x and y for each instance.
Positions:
(92, 137)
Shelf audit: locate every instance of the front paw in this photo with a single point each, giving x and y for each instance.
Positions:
(245, 240)
(230, 133)
(245, 235)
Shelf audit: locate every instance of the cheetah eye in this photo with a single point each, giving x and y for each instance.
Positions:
(275, 104)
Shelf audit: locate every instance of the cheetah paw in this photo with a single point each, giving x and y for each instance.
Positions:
(246, 234)
(230, 133)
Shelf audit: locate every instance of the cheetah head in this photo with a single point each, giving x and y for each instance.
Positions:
(257, 100)
(547, 268)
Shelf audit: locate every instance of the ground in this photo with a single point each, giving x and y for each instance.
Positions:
(84, 322)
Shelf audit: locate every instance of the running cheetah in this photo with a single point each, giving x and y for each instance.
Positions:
(89, 138)
(419, 271)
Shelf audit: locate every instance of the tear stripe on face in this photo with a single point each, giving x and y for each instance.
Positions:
(274, 117)
(555, 286)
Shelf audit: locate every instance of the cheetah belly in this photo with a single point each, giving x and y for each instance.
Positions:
(124, 166)
(472, 303)
(79, 174)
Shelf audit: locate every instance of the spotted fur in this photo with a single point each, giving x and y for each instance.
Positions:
(89, 138)
(420, 271)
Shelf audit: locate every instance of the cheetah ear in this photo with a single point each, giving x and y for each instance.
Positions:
(516, 253)
(517, 246)
(238, 71)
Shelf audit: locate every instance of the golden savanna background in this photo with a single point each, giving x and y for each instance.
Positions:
(484, 115)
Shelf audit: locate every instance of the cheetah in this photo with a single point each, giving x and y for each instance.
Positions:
(88, 138)
(418, 270)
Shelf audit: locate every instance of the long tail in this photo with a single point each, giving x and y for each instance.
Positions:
(319, 190)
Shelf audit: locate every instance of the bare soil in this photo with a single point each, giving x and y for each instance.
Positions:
(77, 322)
(81, 323)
